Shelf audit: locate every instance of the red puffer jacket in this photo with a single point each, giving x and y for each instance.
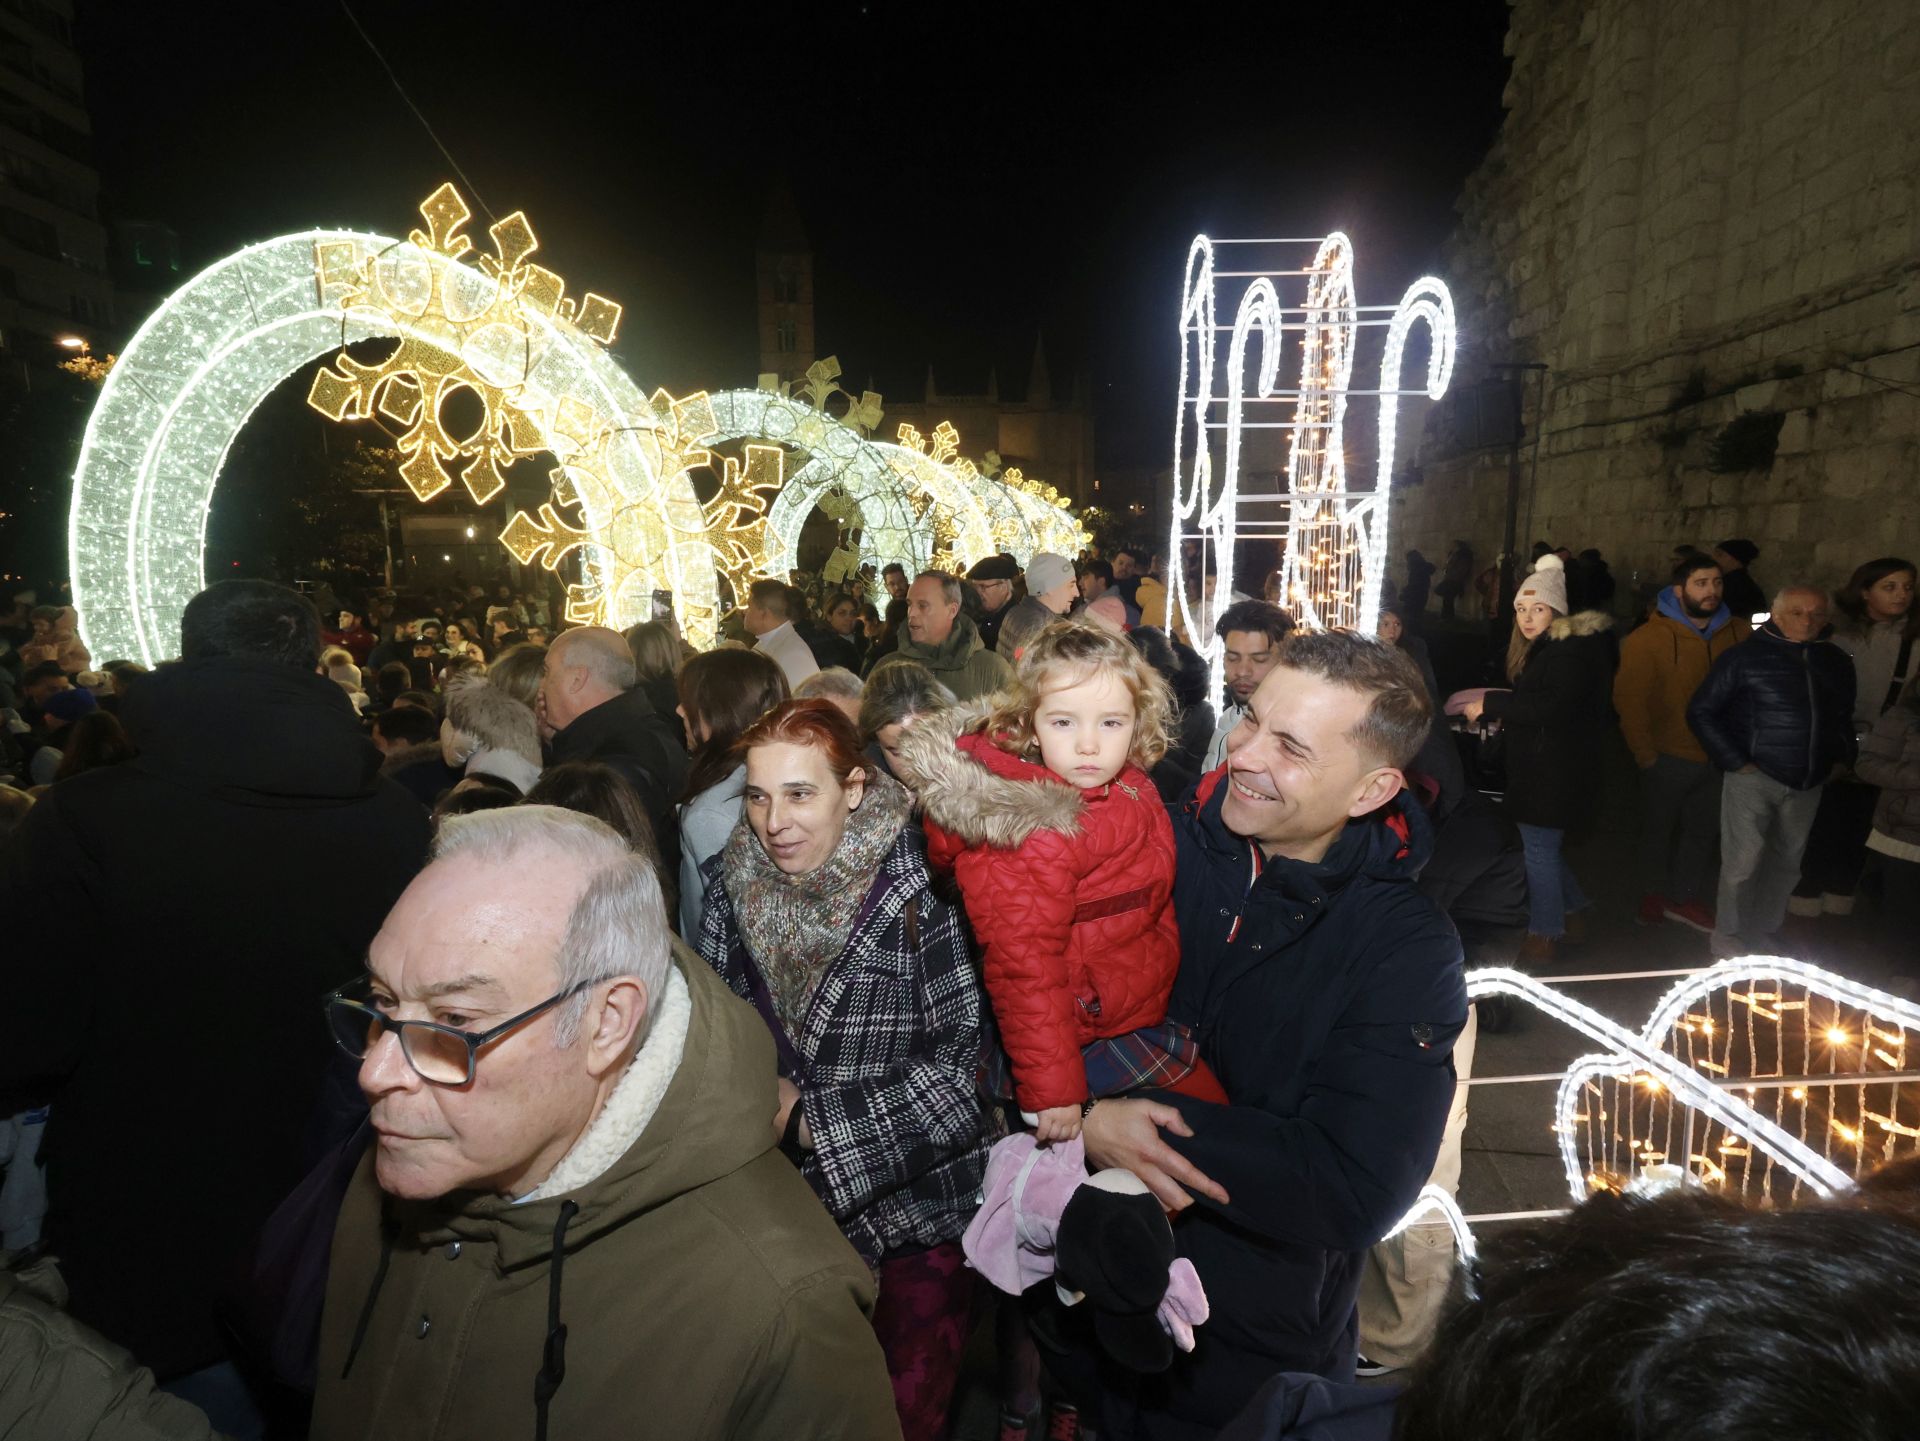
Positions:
(1070, 893)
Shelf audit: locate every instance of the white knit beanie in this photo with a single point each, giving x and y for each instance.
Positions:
(1547, 583)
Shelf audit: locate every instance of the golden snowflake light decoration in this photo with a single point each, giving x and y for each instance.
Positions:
(451, 344)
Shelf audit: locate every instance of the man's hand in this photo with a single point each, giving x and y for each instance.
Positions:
(1472, 710)
(1058, 1123)
(1127, 1134)
(788, 1097)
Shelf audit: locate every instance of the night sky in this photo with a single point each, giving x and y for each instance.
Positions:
(970, 176)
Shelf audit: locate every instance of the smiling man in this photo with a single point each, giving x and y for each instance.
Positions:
(1325, 993)
(573, 1205)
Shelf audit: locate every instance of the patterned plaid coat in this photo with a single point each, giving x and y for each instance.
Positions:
(887, 1060)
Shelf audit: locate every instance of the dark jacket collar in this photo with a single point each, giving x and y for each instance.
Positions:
(609, 728)
(1389, 844)
(257, 732)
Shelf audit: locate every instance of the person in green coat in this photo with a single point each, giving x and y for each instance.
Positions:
(575, 1221)
(945, 641)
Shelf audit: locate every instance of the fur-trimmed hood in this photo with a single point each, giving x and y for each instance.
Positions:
(1581, 622)
(977, 792)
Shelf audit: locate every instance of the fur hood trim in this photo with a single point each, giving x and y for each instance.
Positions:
(972, 803)
(1582, 622)
(636, 1096)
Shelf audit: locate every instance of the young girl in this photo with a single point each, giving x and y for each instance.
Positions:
(1041, 805)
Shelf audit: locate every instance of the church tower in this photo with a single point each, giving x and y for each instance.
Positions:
(784, 265)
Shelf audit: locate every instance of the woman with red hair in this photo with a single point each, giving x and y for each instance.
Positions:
(820, 915)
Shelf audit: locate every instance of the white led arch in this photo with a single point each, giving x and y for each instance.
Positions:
(191, 376)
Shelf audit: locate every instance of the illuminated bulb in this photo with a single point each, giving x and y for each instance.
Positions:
(1836, 1036)
(1799, 1093)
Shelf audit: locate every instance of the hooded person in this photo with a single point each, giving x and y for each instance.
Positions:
(1662, 664)
(192, 1001)
(574, 1197)
(1742, 592)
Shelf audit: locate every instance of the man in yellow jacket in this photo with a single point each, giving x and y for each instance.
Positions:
(1661, 666)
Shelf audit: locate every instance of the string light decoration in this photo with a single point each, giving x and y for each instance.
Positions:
(497, 326)
(461, 337)
(1334, 536)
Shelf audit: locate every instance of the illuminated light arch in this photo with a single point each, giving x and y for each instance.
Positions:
(1334, 538)
(195, 372)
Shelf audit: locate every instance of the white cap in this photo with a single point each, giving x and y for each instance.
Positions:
(1548, 583)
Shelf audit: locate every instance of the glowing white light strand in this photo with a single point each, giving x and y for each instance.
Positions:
(1689, 992)
(1335, 539)
(196, 370)
(1687, 1086)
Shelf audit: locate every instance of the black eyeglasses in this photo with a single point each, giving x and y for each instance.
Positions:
(438, 1054)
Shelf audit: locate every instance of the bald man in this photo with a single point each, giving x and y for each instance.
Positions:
(1776, 715)
(589, 701)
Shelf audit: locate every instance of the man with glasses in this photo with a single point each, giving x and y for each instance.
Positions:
(574, 1219)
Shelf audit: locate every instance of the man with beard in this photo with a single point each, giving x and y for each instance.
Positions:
(1661, 665)
(1252, 631)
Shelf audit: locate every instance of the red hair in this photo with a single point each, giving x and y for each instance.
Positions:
(817, 723)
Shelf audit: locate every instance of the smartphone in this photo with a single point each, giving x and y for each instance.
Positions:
(663, 605)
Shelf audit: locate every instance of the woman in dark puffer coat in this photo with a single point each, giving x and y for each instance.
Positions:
(1555, 717)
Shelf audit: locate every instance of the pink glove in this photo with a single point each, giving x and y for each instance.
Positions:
(1185, 1304)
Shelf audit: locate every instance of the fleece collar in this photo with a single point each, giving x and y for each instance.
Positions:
(635, 1097)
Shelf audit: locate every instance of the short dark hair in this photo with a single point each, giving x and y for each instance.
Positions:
(893, 567)
(1689, 1314)
(48, 669)
(393, 679)
(407, 723)
(255, 619)
(1254, 617)
(1684, 568)
(1136, 554)
(772, 595)
(424, 700)
(1102, 569)
(1400, 715)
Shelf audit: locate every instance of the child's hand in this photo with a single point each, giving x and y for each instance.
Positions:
(1058, 1123)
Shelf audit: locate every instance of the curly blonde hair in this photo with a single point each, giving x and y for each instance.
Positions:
(1066, 653)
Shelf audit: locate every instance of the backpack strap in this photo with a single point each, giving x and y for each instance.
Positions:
(1897, 684)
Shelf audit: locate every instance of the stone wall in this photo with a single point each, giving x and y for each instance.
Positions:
(1696, 216)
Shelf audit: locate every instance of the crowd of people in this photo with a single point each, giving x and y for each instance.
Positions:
(711, 1042)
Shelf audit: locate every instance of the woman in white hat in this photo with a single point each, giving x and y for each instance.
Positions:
(1555, 717)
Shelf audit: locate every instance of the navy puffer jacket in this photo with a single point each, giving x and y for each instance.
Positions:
(1783, 707)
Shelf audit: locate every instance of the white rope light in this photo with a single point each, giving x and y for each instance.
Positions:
(1334, 557)
(196, 370)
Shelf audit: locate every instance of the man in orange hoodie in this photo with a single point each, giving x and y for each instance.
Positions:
(1661, 666)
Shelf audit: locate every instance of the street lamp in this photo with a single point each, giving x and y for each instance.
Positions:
(72, 342)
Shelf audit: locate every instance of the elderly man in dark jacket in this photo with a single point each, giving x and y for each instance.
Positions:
(223, 881)
(1326, 993)
(1777, 717)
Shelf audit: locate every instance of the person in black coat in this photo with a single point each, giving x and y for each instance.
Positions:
(590, 699)
(1776, 715)
(170, 937)
(1413, 595)
(1741, 591)
(1326, 993)
(1554, 719)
